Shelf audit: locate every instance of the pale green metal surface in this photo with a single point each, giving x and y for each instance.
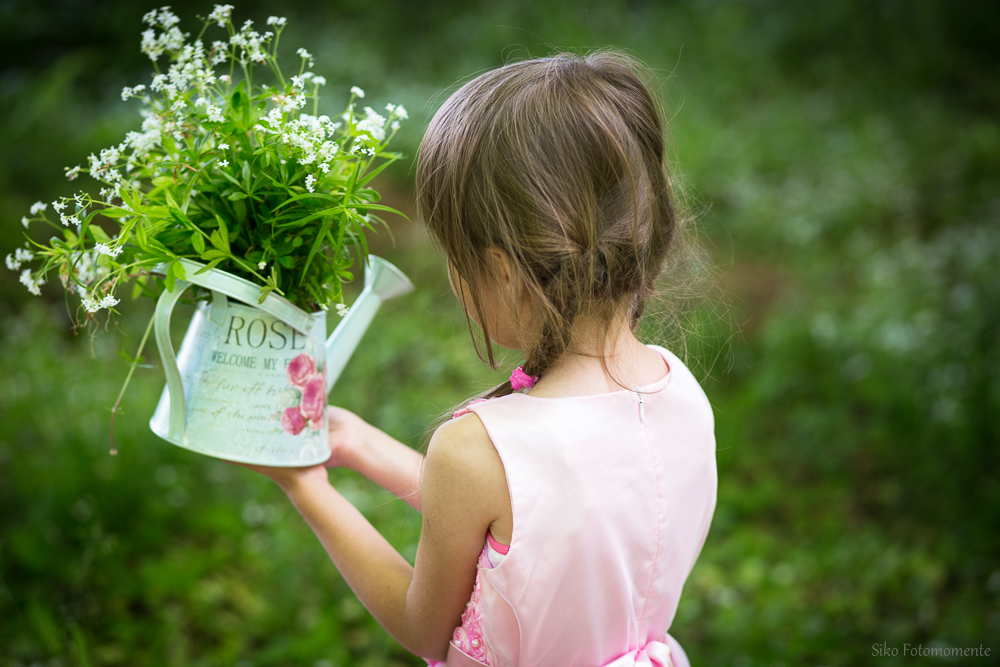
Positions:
(232, 410)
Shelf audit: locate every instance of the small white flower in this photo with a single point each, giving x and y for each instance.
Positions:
(310, 183)
(357, 91)
(297, 82)
(223, 163)
(223, 147)
(276, 20)
(24, 221)
(31, 284)
(395, 125)
(72, 172)
(262, 265)
(220, 15)
(319, 80)
(215, 114)
(108, 302)
(12, 263)
(23, 255)
(342, 310)
(38, 207)
(105, 249)
(58, 206)
(305, 54)
(226, 79)
(401, 112)
(132, 92)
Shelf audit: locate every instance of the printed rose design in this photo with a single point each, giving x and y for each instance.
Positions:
(292, 420)
(314, 400)
(304, 402)
(300, 369)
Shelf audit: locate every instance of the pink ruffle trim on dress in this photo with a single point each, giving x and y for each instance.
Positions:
(469, 635)
(459, 413)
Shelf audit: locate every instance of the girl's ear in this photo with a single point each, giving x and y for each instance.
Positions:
(501, 265)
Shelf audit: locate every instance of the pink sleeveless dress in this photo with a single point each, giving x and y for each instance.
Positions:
(612, 495)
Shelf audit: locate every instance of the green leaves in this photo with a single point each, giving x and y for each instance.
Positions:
(235, 177)
(175, 272)
(240, 105)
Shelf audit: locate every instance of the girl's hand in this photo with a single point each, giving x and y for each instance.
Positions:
(290, 478)
(347, 437)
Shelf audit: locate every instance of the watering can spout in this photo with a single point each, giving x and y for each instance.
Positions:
(383, 281)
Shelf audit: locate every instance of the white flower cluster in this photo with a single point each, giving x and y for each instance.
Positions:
(38, 207)
(171, 39)
(31, 283)
(396, 111)
(373, 124)
(150, 137)
(215, 114)
(190, 69)
(105, 249)
(92, 305)
(20, 255)
(305, 55)
(71, 219)
(220, 15)
(309, 138)
(342, 310)
(252, 43)
(135, 91)
(276, 20)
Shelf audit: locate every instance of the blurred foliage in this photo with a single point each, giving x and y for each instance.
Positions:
(845, 158)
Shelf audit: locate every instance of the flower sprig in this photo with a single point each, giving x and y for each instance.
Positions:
(223, 169)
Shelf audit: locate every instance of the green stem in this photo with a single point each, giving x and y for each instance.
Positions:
(128, 378)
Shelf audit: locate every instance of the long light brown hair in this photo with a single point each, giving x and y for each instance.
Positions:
(562, 163)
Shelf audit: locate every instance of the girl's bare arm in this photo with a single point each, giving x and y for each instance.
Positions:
(366, 449)
(462, 488)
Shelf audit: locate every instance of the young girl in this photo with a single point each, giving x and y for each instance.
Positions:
(560, 522)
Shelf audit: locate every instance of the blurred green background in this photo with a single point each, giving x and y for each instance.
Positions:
(845, 159)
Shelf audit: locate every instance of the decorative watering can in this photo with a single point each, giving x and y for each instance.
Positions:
(250, 382)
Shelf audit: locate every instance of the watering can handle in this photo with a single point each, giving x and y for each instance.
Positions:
(221, 284)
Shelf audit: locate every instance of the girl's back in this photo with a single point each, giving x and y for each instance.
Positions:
(612, 495)
(545, 183)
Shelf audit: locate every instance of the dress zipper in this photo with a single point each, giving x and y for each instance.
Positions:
(642, 410)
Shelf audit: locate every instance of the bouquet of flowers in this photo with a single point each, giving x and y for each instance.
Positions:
(226, 169)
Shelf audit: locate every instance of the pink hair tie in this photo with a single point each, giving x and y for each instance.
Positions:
(521, 380)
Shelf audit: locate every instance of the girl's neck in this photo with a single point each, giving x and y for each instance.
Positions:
(579, 372)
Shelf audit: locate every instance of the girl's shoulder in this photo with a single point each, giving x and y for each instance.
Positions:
(461, 453)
